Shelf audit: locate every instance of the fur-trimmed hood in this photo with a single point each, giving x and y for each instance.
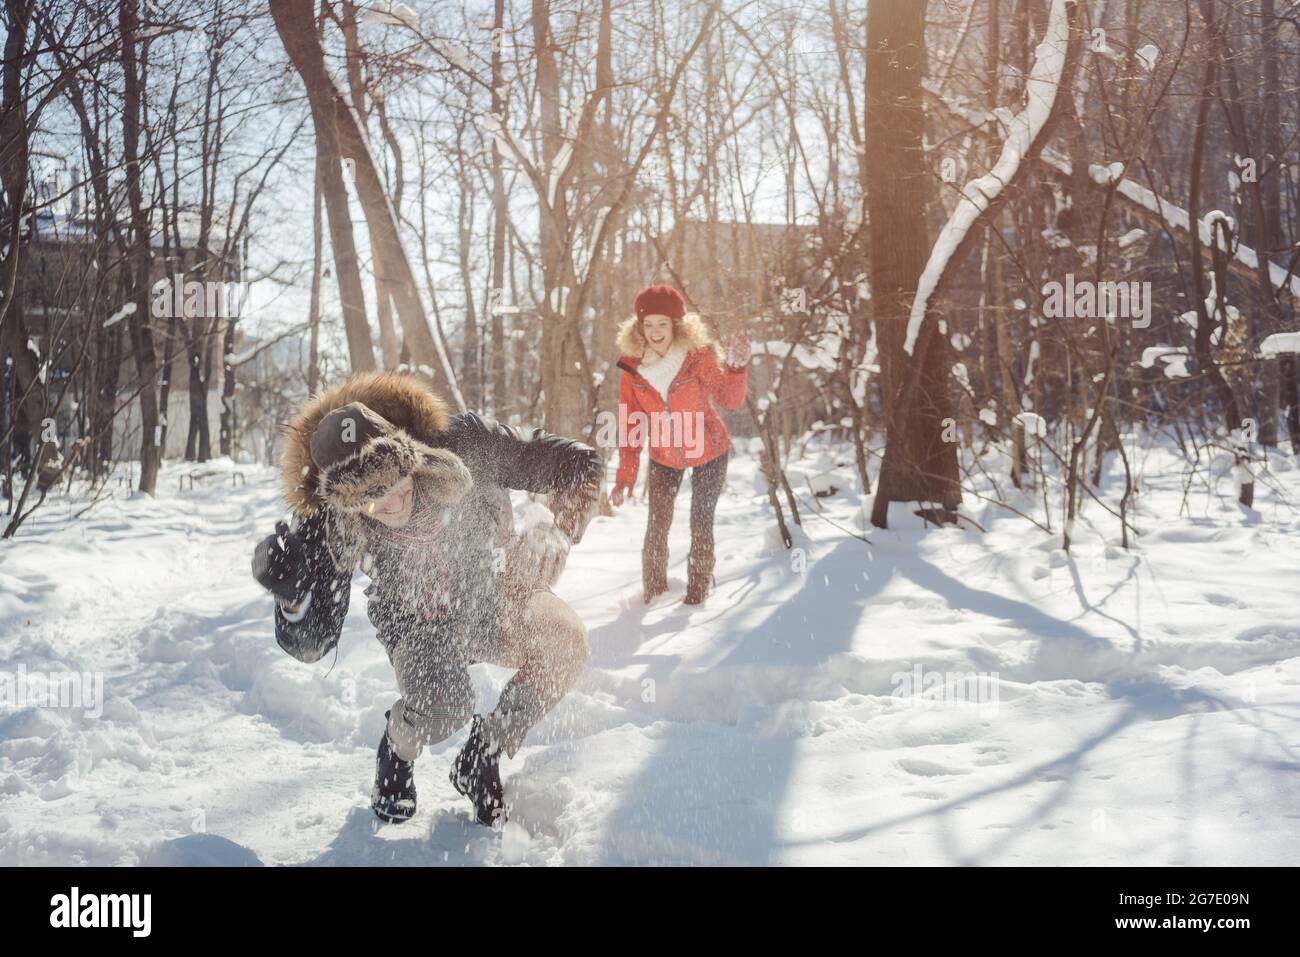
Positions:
(689, 331)
(403, 400)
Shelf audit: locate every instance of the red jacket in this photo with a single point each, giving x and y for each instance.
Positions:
(674, 440)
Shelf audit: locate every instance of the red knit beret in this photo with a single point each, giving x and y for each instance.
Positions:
(660, 301)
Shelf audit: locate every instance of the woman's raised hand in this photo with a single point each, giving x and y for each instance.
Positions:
(739, 349)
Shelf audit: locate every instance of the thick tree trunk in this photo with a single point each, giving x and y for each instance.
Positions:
(919, 465)
(1262, 222)
(28, 399)
(471, 367)
(229, 409)
(293, 22)
(999, 343)
(496, 301)
(1205, 321)
(1285, 399)
(313, 308)
(388, 344)
(562, 383)
(1271, 189)
(198, 445)
(141, 328)
(361, 350)
(228, 421)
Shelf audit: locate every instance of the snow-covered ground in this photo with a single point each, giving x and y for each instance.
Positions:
(1135, 707)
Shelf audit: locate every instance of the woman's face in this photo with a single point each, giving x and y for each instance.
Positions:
(658, 331)
(394, 509)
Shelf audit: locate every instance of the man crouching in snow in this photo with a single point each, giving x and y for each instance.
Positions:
(377, 468)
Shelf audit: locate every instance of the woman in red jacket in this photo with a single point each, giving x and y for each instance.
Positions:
(672, 375)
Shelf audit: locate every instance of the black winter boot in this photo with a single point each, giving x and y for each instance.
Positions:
(476, 775)
(393, 797)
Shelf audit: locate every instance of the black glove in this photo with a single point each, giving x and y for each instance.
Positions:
(574, 506)
(280, 564)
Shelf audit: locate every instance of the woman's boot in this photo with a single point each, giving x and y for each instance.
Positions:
(699, 576)
(654, 582)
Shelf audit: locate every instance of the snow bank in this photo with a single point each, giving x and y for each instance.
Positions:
(933, 697)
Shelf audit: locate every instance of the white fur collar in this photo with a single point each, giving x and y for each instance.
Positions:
(659, 370)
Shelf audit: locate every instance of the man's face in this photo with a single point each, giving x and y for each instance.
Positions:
(394, 509)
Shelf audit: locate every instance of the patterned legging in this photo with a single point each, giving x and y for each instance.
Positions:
(706, 486)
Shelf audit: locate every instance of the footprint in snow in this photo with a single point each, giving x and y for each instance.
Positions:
(1224, 601)
(928, 769)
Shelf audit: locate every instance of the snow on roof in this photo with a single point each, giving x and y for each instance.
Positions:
(59, 225)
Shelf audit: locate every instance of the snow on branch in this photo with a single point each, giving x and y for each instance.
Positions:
(1280, 344)
(495, 125)
(979, 194)
(1173, 358)
(1137, 198)
(563, 158)
(382, 13)
(1178, 218)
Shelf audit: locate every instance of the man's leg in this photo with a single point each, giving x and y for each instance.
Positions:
(437, 697)
(547, 643)
(663, 484)
(706, 487)
(541, 637)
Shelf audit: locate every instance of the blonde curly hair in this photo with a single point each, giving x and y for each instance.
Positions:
(690, 330)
